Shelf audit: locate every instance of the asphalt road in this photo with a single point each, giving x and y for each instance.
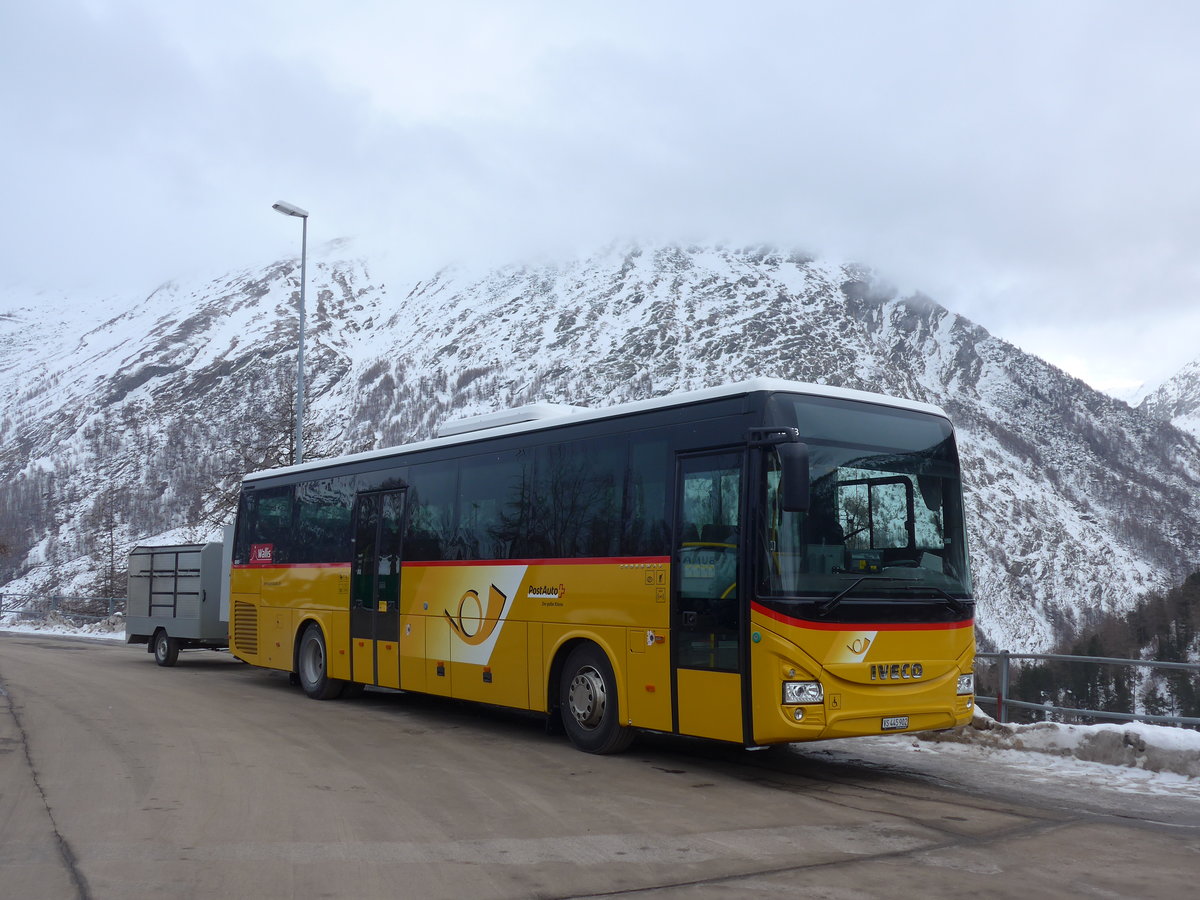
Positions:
(119, 779)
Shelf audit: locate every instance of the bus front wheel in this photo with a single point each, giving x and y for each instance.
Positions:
(587, 701)
(312, 666)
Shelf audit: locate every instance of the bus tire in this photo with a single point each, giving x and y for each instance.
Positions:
(587, 699)
(166, 648)
(312, 666)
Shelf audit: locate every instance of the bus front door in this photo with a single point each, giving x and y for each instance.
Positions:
(706, 619)
(375, 588)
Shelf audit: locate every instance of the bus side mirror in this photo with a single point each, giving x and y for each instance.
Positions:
(793, 460)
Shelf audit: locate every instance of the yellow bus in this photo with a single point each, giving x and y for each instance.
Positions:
(759, 563)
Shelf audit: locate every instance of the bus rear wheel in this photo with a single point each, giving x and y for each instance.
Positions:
(166, 648)
(587, 701)
(312, 666)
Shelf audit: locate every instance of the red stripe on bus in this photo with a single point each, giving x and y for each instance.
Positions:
(585, 561)
(582, 561)
(344, 565)
(860, 626)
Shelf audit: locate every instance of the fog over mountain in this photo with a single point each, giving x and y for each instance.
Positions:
(137, 417)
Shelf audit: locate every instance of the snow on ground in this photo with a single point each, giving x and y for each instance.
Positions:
(112, 628)
(1139, 771)
(1132, 758)
(1135, 745)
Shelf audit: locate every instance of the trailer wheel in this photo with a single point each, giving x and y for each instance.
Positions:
(166, 648)
(312, 665)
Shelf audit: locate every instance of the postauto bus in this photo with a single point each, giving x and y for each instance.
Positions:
(758, 563)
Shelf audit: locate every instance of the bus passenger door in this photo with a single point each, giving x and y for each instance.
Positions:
(706, 616)
(375, 588)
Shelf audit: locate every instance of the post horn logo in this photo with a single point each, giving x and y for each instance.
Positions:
(473, 623)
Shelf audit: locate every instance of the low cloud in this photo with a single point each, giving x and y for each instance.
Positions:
(1029, 166)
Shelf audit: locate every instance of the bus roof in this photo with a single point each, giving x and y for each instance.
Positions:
(544, 415)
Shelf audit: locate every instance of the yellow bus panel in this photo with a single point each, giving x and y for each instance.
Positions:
(649, 677)
(710, 704)
(413, 674)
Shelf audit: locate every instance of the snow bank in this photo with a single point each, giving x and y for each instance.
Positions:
(111, 628)
(1152, 748)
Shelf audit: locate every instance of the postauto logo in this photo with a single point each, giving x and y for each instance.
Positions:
(473, 622)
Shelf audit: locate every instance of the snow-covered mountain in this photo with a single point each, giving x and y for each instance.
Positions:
(1177, 400)
(133, 418)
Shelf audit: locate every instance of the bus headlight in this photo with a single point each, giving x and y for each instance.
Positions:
(795, 692)
(966, 684)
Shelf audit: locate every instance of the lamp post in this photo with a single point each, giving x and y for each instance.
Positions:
(289, 210)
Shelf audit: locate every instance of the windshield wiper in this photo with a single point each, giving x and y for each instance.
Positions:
(953, 602)
(827, 606)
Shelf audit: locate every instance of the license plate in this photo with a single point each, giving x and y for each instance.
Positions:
(895, 723)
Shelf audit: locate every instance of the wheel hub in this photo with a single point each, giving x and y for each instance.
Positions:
(587, 697)
(313, 663)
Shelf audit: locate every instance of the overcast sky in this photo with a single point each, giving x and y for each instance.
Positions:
(1032, 166)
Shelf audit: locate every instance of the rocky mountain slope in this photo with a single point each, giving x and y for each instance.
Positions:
(133, 418)
(1177, 400)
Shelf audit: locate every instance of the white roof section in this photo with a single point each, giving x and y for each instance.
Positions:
(534, 412)
(561, 414)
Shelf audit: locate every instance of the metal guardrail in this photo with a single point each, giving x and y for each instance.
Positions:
(1003, 701)
(34, 605)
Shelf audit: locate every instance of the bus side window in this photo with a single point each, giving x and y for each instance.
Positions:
(577, 495)
(493, 503)
(431, 511)
(645, 531)
(246, 511)
(270, 522)
(606, 461)
(323, 520)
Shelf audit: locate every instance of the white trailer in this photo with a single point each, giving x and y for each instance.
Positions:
(179, 598)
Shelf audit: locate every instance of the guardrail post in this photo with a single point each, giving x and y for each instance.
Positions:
(1002, 690)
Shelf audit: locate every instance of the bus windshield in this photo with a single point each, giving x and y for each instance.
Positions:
(885, 508)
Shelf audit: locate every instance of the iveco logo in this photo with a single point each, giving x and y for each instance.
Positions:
(897, 672)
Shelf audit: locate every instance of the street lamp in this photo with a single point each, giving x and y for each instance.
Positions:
(289, 210)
